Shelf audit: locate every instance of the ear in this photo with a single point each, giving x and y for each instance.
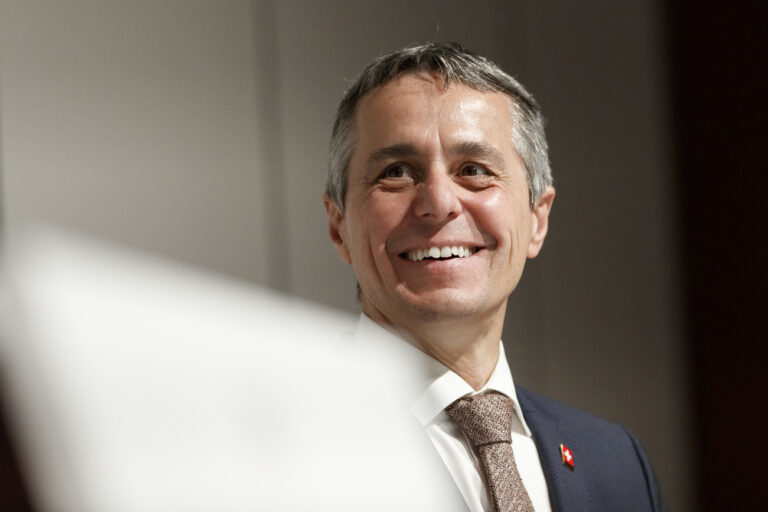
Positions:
(541, 210)
(335, 228)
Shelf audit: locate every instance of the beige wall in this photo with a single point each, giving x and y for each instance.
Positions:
(198, 129)
(136, 121)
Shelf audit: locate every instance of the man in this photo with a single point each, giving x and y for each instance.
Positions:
(439, 189)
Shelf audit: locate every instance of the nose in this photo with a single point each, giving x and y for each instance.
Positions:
(436, 197)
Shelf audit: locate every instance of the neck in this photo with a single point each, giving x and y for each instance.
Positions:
(468, 346)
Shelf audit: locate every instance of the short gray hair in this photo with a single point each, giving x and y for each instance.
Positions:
(454, 63)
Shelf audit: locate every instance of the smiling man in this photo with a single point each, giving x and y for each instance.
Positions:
(439, 189)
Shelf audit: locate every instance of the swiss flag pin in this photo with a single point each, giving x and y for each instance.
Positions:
(567, 455)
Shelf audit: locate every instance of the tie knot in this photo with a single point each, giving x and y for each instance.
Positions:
(484, 419)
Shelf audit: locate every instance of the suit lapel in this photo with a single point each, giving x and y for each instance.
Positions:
(567, 488)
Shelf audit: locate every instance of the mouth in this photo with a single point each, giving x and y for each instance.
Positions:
(440, 253)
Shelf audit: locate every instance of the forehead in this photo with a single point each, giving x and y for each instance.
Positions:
(420, 108)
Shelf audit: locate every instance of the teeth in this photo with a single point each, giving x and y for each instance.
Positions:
(440, 252)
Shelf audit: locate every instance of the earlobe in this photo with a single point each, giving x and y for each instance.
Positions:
(335, 228)
(540, 223)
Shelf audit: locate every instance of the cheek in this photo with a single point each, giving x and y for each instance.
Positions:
(383, 213)
(492, 210)
(369, 227)
(504, 217)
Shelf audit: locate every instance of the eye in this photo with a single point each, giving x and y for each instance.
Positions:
(474, 170)
(397, 171)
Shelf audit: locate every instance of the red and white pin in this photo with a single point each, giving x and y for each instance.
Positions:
(567, 455)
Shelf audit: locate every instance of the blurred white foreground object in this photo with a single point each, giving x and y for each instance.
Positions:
(140, 385)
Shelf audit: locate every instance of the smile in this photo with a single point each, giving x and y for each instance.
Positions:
(439, 253)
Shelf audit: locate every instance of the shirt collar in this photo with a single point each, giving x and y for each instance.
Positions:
(436, 385)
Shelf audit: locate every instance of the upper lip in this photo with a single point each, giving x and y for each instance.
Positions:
(432, 243)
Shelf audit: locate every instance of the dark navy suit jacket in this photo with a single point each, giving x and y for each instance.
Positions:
(611, 472)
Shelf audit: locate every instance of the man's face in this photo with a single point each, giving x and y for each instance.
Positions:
(434, 173)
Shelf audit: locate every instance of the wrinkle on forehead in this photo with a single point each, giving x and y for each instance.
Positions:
(427, 95)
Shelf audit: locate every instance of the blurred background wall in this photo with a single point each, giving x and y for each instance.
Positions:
(198, 130)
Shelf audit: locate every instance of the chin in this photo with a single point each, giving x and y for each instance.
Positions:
(442, 306)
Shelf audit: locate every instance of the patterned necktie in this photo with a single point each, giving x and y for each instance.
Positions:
(486, 420)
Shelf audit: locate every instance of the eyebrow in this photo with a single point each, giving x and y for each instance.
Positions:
(480, 150)
(393, 151)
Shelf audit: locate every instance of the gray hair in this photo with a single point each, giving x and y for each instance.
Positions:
(454, 63)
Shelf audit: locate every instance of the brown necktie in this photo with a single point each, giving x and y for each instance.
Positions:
(486, 420)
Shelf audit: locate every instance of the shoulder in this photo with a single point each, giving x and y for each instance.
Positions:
(564, 415)
(609, 460)
(534, 402)
(545, 415)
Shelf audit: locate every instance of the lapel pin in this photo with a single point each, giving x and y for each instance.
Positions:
(567, 456)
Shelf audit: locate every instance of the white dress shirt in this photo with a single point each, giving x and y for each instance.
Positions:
(439, 387)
